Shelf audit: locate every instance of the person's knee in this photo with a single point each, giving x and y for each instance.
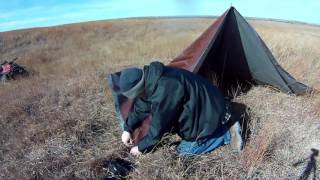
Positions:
(187, 148)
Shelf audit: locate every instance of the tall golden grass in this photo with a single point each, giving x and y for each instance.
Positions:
(60, 122)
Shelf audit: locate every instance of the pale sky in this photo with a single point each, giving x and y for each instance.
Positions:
(21, 14)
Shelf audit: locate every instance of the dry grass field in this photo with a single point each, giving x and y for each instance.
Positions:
(60, 122)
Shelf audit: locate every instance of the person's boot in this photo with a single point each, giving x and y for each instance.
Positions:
(236, 139)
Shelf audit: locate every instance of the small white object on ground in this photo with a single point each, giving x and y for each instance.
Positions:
(135, 151)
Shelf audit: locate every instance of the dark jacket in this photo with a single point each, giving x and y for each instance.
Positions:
(176, 99)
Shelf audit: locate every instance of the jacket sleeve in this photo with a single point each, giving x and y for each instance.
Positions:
(141, 109)
(166, 105)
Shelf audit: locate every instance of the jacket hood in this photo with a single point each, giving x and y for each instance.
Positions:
(152, 73)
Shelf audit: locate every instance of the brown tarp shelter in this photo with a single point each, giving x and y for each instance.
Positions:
(231, 50)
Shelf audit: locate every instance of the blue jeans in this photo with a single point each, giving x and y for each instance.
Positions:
(220, 137)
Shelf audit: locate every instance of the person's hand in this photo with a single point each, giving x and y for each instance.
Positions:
(126, 139)
(135, 151)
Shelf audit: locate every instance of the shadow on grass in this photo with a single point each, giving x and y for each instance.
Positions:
(311, 167)
(116, 166)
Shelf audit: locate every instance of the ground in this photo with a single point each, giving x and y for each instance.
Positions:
(60, 123)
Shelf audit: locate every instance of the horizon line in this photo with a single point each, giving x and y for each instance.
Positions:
(167, 17)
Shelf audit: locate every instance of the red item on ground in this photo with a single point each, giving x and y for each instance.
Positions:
(6, 68)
